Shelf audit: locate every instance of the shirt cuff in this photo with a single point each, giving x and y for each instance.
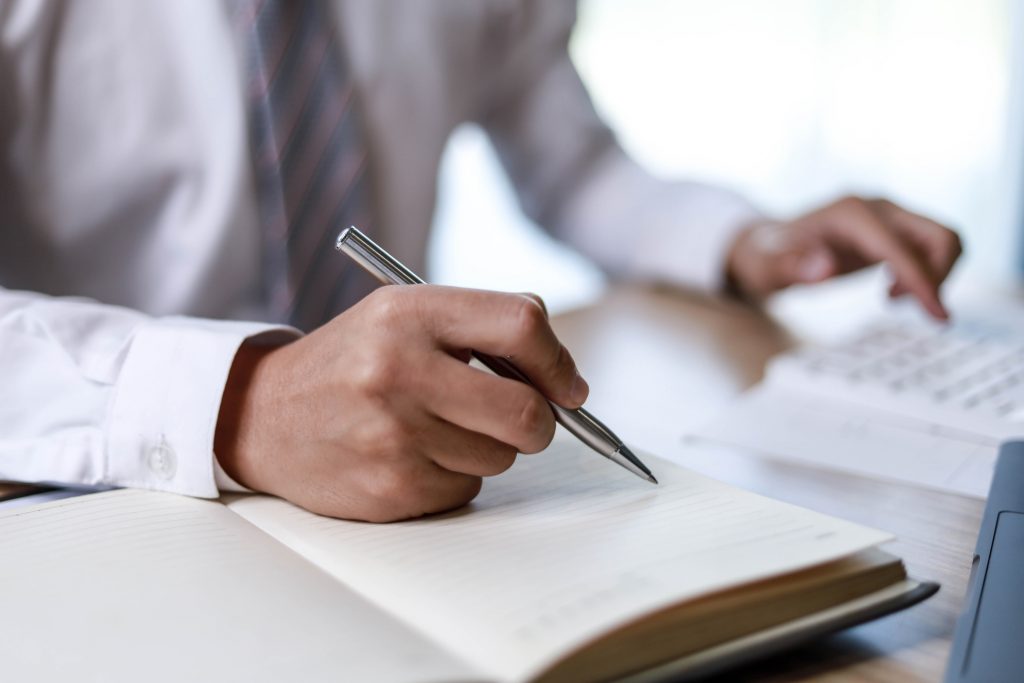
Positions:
(686, 240)
(640, 227)
(167, 399)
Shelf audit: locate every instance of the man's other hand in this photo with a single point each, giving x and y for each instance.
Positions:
(843, 237)
(378, 416)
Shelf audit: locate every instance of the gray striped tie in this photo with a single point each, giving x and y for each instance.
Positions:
(309, 158)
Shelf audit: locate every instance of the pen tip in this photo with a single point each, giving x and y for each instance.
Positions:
(634, 465)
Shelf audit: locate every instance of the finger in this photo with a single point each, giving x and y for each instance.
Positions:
(503, 409)
(510, 326)
(816, 266)
(537, 298)
(804, 267)
(416, 490)
(460, 450)
(784, 254)
(444, 490)
(940, 245)
(897, 288)
(857, 225)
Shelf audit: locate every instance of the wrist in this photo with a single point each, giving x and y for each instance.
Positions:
(235, 443)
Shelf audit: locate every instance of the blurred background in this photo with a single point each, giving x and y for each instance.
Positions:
(792, 103)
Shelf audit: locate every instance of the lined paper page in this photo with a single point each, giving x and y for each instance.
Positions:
(132, 585)
(557, 550)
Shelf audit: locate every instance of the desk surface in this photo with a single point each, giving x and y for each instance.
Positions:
(13, 490)
(692, 356)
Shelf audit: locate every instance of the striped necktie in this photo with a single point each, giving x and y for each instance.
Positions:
(309, 158)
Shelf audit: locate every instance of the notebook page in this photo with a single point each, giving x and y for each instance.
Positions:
(144, 586)
(557, 550)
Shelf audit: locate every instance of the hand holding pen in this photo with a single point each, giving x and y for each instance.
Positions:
(377, 416)
(577, 421)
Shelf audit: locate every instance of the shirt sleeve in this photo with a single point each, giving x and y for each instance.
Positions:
(573, 178)
(99, 395)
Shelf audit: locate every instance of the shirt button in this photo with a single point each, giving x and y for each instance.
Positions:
(162, 461)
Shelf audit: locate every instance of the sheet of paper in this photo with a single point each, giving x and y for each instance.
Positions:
(143, 586)
(557, 550)
(783, 425)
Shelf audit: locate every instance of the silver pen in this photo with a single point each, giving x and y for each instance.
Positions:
(581, 423)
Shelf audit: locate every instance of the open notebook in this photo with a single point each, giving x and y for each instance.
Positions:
(564, 568)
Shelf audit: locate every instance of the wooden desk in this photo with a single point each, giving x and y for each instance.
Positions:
(657, 361)
(14, 490)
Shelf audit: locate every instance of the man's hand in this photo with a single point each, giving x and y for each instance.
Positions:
(842, 237)
(377, 416)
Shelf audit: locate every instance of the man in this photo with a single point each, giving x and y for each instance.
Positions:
(186, 167)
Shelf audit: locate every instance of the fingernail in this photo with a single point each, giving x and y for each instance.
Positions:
(579, 390)
(815, 267)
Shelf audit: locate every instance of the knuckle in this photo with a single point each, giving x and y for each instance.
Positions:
(539, 301)
(530, 417)
(529, 318)
(374, 376)
(855, 207)
(953, 242)
(849, 202)
(378, 373)
(534, 424)
(388, 303)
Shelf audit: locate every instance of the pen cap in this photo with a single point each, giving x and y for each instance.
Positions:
(375, 260)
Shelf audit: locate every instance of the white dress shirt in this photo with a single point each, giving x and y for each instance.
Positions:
(129, 243)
